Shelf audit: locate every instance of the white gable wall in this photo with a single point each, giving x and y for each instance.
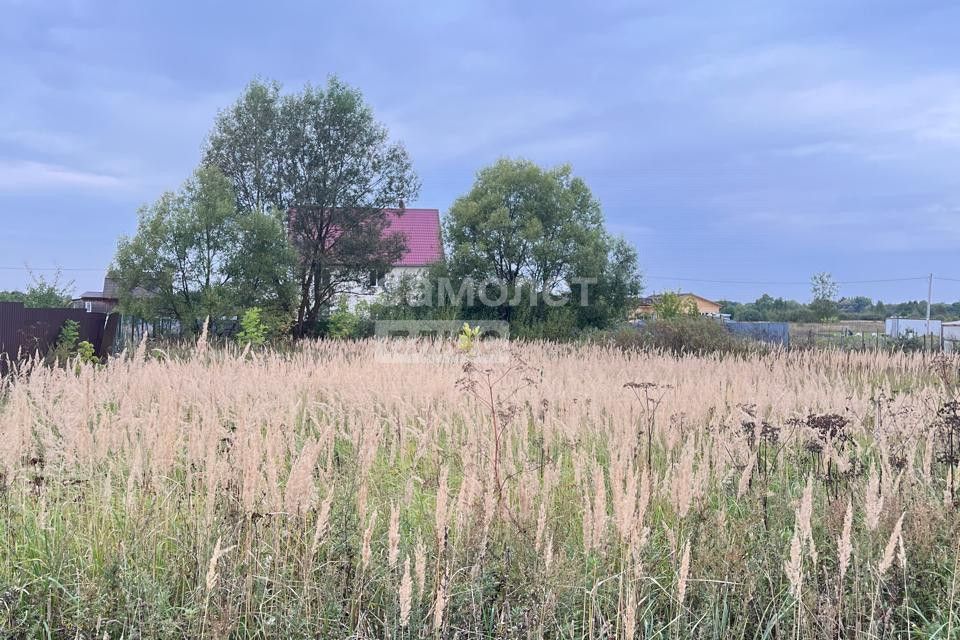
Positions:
(394, 276)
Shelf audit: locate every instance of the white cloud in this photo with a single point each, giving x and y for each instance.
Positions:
(794, 89)
(744, 65)
(554, 147)
(459, 126)
(922, 108)
(940, 123)
(20, 175)
(827, 147)
(45, 142)
(928, 227)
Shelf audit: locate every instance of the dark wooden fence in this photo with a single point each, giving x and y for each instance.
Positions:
(26, 331)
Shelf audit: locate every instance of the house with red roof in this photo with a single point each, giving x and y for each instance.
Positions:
(421, 231)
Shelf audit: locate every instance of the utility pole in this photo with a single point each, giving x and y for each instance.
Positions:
(929, 299)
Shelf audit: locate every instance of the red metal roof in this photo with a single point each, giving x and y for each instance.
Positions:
(422, 230)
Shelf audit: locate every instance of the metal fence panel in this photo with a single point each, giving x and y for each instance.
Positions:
(901, 327)
(24, 332)
(772, 332)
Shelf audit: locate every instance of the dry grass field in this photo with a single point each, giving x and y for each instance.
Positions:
(562, 491)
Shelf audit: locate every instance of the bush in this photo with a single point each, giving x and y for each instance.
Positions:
(85, 353)
(343, 323)
(253, 330)
(910, 342)
(685, 334)
(69, 346)
(544, 323)
(692, 334)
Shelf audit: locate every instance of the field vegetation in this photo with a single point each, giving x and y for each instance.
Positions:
(424, 490)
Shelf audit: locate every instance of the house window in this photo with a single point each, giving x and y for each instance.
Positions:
(88, 306)
(375, 279)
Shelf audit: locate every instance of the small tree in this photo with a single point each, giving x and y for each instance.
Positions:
(253, 330)
(825, 291)
(66, 345)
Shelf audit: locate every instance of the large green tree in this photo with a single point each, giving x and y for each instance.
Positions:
(321, 156)
(195, 255)
(526, 227)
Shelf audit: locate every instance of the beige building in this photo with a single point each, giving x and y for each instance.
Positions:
(706, 307)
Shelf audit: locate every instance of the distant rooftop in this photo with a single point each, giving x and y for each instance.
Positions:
(110, 291)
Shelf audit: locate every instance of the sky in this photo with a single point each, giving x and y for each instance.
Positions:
(740, 146)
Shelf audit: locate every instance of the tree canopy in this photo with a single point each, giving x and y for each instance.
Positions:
(321, 156)
(195, 255)
(521, 222)
(856, 308)
(540, 231)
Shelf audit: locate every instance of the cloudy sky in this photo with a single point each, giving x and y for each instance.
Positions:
(742, 146)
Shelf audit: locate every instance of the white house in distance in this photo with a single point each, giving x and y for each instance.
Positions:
(421, 231)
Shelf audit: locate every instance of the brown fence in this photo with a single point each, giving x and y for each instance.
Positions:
(26, 331)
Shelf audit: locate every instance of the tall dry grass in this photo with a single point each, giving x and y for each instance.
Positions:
(325, 493)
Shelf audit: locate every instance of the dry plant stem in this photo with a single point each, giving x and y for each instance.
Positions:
(953, 589)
